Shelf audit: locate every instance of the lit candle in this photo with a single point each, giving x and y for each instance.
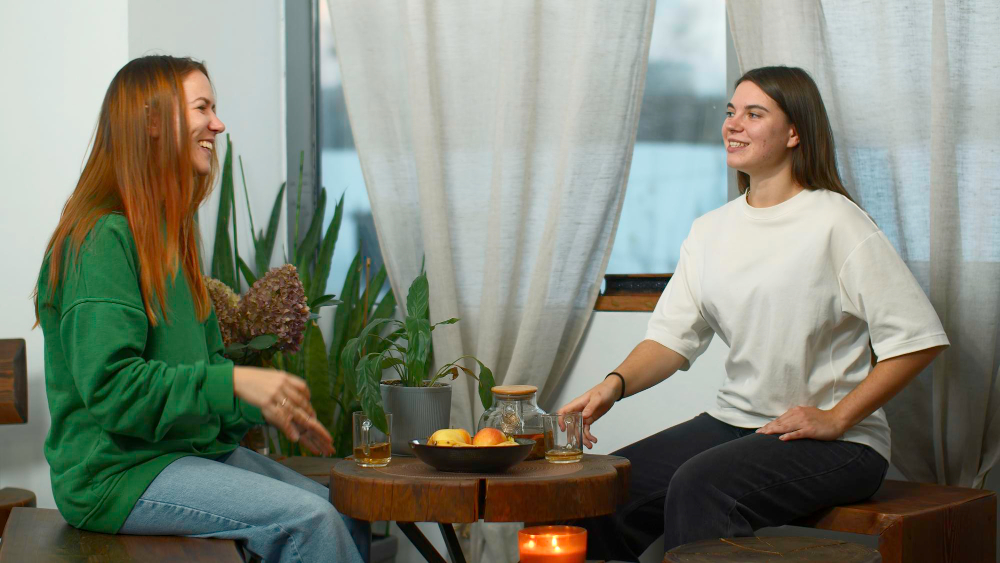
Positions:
(553, 544)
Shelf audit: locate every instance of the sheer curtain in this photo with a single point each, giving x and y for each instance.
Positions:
(495, 139)
(912, 91)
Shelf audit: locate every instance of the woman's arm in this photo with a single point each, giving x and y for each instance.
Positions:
(648, 364)
(884, 381)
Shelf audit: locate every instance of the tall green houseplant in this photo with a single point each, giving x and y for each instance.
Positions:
(332, 397)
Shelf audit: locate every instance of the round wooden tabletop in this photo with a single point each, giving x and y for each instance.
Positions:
(408, 490)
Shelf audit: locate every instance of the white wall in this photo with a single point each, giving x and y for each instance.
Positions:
(57, 63)
(243, 46)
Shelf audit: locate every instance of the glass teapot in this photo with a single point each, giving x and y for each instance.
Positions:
(515, 413)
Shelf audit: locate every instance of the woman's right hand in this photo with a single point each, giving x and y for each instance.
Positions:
(593, 404)
(283, 399)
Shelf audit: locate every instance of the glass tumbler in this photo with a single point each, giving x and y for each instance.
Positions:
(372, 447)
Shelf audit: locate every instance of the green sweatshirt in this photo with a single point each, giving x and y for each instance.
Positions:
(127, 398)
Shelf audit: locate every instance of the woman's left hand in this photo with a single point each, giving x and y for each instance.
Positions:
(805, 422)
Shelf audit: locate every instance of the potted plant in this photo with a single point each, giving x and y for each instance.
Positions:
(315, 359)
(419, 400)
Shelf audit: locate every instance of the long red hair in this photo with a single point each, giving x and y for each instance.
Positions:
(145, 176)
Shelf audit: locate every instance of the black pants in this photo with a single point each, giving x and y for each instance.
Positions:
(705, 479)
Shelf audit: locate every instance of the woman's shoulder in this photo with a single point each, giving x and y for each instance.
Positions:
(846, 218)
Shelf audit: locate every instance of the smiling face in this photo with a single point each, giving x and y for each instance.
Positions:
(203, 124)
(758, 136)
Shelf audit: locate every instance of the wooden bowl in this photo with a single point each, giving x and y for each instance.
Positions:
(482, 459)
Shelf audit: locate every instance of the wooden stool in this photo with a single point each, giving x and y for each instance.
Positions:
(920, 523)
(789, 550)
(11, 498)
(42, 536)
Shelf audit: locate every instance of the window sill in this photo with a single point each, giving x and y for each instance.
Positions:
(631, 292)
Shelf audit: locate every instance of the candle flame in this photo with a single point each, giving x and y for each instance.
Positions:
(557, 549)
(531, 543)
(555, 542)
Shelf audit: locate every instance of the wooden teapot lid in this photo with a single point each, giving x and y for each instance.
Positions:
(514, 389)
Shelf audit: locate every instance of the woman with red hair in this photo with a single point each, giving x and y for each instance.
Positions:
(146, 412)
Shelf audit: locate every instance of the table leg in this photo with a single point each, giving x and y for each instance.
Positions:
(420, 541)
(454, 549)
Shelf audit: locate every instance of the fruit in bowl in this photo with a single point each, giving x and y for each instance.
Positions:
(446, 450)
(454, 437)
(492, 437)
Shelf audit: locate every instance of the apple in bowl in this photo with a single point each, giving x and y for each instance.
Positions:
(492, 437)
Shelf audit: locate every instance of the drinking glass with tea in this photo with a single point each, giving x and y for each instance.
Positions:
(563, 437)
(372, 447)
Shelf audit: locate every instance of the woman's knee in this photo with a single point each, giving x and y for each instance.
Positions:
(698, 480)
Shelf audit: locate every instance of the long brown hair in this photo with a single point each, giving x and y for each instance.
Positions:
(148, 178)
(814, 159)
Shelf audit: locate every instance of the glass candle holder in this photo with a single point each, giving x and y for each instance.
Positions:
(552, 544)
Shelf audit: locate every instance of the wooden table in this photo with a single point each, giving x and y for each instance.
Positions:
(409, 491)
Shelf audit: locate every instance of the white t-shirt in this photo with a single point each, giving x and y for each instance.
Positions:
(795, 290)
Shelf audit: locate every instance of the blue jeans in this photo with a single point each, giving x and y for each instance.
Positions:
(269, 509)
(704, 479)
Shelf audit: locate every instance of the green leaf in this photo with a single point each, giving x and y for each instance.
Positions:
(390, 362)
(235, 347)
(323, 301)
(367, 378)
(450, 321)
(246, 194)
(317, 374)
(416, 299)
(247, 273)
(418, 336)
(223, 266)
(340, 322)
(265, 243)
(307, 248)
(349, 362)
(486, 384)
(263, 342)
(322, 273)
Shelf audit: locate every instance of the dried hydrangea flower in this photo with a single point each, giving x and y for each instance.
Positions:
(276, 304)
(226, 304)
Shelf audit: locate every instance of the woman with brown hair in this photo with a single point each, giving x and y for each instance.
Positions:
(146, 412)
(796, 279)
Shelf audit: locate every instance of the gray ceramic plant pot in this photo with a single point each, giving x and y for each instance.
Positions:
(417, 412)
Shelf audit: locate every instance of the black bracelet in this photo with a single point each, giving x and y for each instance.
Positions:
(620, 376)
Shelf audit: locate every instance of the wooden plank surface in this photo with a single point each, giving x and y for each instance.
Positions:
(407, 490)
(316, 468)
(42, 536)
(374, 494)
(11, 498)
(790, 550)
(634, 302)
(13, 382)
(920, 522)
(896, 499)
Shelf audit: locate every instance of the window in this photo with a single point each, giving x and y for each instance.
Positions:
(679, 166)
(340, 167)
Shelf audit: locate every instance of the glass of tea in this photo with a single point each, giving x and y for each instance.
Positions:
(372, 447)
(563, 437)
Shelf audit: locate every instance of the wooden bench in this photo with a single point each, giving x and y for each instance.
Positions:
(42, 536)
(920, 523)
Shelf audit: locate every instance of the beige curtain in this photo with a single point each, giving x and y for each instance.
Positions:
(495, 138)
(912, 90)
